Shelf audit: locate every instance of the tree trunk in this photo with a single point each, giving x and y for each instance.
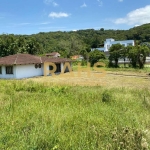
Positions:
(124, 62)
(116, 62)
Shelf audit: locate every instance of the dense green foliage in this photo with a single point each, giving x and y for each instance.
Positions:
(136, 54)
(95, 56)
(41, 117)
(115, 53)
(68, 43)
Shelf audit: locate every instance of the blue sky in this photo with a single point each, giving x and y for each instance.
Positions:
(34, 16)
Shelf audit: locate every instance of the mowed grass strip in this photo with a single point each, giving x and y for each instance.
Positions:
(36, 116)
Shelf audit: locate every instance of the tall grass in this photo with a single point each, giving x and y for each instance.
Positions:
(39, 117)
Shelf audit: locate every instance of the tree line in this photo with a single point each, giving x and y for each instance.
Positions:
(68, 43)
(136, 55)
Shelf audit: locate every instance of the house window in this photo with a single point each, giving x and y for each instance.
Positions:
(130, 44)
(50, 67)
(108, 46)
(0, 70)
(9, 69)
(37, 66)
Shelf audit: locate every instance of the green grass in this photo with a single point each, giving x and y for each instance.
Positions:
(37, 117)
(121, 68)
(129, 69)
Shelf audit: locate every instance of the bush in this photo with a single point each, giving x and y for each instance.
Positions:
(83, 63)
(104, 61)
(106, 96)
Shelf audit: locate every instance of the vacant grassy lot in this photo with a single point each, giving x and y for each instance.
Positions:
(108, 79)
(48, 113)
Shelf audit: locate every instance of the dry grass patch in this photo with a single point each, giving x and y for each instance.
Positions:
(109, 79)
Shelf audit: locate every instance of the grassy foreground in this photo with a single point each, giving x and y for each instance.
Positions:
(39, 117)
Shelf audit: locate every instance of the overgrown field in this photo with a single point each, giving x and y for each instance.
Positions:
(36, 116)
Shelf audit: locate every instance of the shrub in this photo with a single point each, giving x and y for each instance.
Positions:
(106, 96)
(104, 61)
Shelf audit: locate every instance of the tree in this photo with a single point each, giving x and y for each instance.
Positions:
(95, 56)
(115, 53)
(101, 29)
(132, 55)
(32, 46)
(137, 55)
(124, 53)
(143, 51)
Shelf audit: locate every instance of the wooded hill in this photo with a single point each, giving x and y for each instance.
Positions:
(68, 43)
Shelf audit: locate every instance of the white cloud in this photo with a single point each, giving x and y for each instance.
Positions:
(84, 5)
(138, 16)
(48, 2)
(58, 15)
(120, 0)
(100, 3)
(45, 23)
(136, 25)
(55, 4)
(22, 24)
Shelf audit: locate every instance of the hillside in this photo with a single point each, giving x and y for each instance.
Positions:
(68, 43)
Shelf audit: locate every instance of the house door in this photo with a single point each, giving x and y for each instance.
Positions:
(58, 68)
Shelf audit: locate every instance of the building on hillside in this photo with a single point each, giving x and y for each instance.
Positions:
(25, 65)
(53, 54)
(77, 57)
(109, 42)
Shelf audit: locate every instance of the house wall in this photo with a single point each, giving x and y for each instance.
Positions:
(47, 68)
(8, 76)
(25, 71)
(100, 49)
(109, 42)
(66, 68)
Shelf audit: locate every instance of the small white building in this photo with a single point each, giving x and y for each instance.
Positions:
(109, 42)
(25, 65)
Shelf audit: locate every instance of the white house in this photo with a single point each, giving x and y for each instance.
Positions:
(109, 42)
(25, 65)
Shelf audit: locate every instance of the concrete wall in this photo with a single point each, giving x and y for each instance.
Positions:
(66, 68)
(46, 68)
(100, 49)
(8, 76)
(109, 43)
(25, 71)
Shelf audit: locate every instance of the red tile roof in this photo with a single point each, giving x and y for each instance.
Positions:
(52, 54)
(55, 59)
(20, 59)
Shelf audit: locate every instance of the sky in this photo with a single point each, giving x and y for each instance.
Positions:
(34, 16)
